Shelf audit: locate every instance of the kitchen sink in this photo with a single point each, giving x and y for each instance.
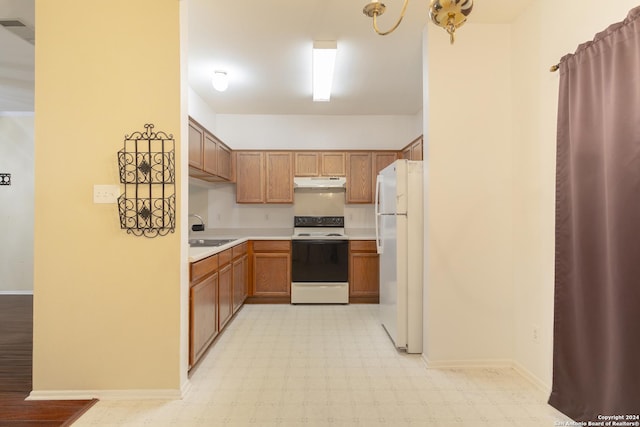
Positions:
(209, 242)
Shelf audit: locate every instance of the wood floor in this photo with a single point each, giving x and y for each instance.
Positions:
(16, 350)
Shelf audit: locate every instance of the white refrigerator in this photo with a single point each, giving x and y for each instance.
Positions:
(399, 234)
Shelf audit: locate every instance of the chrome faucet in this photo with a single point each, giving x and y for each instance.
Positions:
(197, 227)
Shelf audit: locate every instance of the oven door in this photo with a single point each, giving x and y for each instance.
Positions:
(320, 261)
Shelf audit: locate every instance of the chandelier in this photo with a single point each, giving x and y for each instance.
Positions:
(448, 14)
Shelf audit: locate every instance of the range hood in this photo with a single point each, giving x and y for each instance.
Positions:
(319, 182)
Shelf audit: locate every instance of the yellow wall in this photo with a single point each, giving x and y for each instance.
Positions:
(107, 308)
(468, 311)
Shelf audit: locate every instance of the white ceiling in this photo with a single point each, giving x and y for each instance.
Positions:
(265, 46)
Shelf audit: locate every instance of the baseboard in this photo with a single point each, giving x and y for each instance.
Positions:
(16, 292)
(467, 363)
(543, 388)
(162, 394)
(185, 389)
(17, 113)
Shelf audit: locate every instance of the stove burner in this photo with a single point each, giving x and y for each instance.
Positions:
(319, 228)
(318, 221)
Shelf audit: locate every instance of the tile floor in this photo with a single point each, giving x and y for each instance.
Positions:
(283, 365)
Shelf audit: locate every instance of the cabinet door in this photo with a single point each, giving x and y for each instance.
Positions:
(240, 283)
(307, 164)
(279, 183)
(271, 274)
(223, 154)
(225, 292)
(364, 272)
(210, 161)
(249, 177)
(203, 319)
(359, 178)
(416, 150)
(381, 161)
(196, 138)
(333, 164)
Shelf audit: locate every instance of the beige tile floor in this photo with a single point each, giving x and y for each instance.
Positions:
(283, 365)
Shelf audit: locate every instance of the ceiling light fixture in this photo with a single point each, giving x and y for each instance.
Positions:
(448, 14)
(220, 81)
(324, 59)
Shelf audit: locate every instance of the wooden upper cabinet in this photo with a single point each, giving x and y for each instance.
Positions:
(381, 160)
(209, 158)
(414, 150)
(359, 177)
(279, 182)
(196, 138)
(264, 177)
(307, 163)
(333, 164)
(319, 163)
(210, 154)
(223, 156)
(250, 177)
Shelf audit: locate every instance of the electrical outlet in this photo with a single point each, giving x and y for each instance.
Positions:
(106, 193)
(5, 179)
(535, 333)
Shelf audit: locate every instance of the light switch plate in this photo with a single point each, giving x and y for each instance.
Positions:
(106, 193)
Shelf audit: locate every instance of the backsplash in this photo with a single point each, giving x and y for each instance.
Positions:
(315, 202)
(216, 203)
(359, 216)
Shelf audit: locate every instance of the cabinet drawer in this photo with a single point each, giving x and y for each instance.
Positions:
(271, 245)
(363, 245)
(225, 257)
(202, 268)
(239, 250)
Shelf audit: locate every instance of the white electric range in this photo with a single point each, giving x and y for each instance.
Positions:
(319, 261)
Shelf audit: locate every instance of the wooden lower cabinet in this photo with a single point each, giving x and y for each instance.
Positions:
(225, 295)
(271, 262)
(218, 288)
(240, 275)
(203, 306)
(240, 281)
(364, 272)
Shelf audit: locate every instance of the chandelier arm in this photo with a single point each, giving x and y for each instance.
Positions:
(375, 24)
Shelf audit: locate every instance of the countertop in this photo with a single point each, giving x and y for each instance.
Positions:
(242, 235)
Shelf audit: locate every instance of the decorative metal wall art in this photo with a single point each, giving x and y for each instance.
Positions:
(147, 206)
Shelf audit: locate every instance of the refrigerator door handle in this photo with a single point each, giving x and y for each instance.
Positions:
(379, 247)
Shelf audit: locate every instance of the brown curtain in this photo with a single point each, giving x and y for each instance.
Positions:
(596, 354)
